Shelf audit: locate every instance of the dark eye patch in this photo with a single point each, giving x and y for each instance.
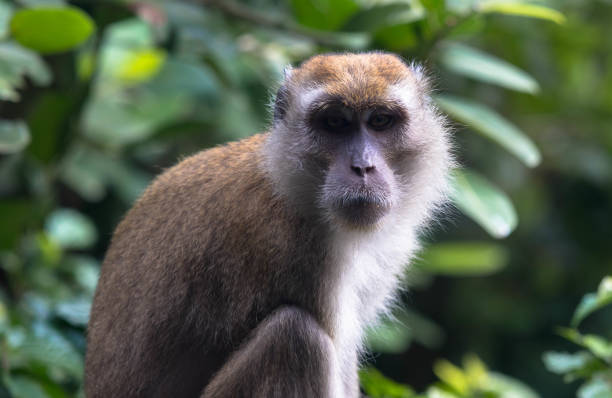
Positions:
(334, 121)
(381, 121)
(332, 118)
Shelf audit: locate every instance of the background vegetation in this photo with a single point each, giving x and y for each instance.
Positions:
(98, 97)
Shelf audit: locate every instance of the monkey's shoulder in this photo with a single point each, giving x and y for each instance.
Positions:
(221, 189)
(216, 173)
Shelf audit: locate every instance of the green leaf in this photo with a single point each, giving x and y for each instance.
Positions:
(47, 346)
(593, 301)
(599, 346)
(599, 386)
(507, 387)
(564, 362)
(522, 9)
(51, 29)
(16, 216)
(490, 124)
(182, 76)
(440, 391)
(86, 272)
(484, 203)
(23, 387)
(323, 14)
(452, 376)
(376, 385)
(71, 229)
(75, 311)
(384, 15)
(14, 136)
(479, 65)
(6, 11)
(17, 62)
(113, 122)
(464, 258)
(141, 65)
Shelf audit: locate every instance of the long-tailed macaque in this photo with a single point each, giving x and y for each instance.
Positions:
(252, 269)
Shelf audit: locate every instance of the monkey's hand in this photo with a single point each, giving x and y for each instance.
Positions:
(288, 355)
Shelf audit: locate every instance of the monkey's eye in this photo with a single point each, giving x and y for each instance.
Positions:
(381, 121)
(335, 122)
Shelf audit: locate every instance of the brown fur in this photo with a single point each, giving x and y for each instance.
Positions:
(358, 79)
(190, 272)
(252, 269)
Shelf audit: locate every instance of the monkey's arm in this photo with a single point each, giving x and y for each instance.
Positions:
(287, 355)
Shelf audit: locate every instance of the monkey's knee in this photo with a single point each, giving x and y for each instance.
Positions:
(300, 331)
(288, 355)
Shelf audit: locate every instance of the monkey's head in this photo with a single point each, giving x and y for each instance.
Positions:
(357, 139)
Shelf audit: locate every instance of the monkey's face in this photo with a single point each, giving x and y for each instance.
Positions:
(358, 183)
(356, 138)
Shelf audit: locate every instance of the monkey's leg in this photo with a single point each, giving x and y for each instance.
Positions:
(288, 355)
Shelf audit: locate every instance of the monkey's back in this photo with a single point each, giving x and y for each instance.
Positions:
(198, 261)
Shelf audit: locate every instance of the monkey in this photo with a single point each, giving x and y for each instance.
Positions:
(253, 269)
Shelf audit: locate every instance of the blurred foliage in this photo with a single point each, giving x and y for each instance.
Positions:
(98, 97)
(594, 364)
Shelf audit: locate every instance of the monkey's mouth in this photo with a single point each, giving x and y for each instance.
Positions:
(362, 208)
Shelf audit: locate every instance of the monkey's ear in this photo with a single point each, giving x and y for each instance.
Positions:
(281, 102)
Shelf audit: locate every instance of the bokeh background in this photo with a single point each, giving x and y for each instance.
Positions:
(97, 97)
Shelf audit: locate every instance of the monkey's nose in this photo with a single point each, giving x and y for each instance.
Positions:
(361, 171)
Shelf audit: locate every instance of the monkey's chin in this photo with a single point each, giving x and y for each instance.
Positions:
(362, 213)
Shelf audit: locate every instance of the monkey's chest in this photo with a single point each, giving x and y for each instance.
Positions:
(366, 287)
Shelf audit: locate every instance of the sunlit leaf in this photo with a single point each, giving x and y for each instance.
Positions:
(593, 301)
(484, 203)
(384, 15)
(71, 229)
(522, 9)
(376, 385)
(490, 124)
(479, 65)
(464, 258)
(141, 66)
(475, 370)
(51, 29)
(599, 346)
(452, 375)
(14, 136)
